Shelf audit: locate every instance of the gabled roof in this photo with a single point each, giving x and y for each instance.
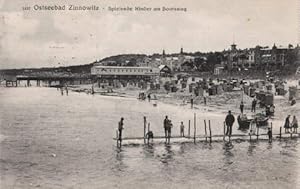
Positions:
(162, 67)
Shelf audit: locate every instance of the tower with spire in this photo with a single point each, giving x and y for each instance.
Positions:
(181, 50)
(181, 56)
(163, 57)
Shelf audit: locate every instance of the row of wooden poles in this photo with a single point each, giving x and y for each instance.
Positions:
(207, 132)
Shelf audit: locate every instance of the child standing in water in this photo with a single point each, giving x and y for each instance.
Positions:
(287, 124)
(182, 129)
(270, 134)
(253, 126)
(294, 124)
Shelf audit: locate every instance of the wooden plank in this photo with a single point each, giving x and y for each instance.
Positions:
(287, 135)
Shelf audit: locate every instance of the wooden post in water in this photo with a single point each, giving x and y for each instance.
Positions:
(117, 138)
(224, 131)
(280, 133)
(257, 133)
(205, 130)
(271, 131)
(189, 131)
(148, 132)
(194, 127)
(195, 119)
(195, 134)
(210, 136)
(145, 122)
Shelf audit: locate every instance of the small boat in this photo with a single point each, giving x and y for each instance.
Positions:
(243, 121)
(262, 120)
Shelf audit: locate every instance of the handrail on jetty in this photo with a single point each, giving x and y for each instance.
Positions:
(208, 135)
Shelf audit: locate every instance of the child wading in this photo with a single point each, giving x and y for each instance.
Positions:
(169, 128)
(182, 129)
(149, 136)
(294, 124)
(287, 124)
(270, 134)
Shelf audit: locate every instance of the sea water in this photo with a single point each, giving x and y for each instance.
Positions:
(54, 141)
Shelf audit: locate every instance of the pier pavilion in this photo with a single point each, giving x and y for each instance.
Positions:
(122, 73)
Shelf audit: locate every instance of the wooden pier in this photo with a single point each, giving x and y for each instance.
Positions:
(207, 137)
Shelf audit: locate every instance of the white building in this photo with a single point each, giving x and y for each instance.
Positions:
(123, 71)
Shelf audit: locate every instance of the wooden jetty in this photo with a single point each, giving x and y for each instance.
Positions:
(206, 137)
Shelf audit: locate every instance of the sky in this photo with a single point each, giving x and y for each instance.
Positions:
(33, 39)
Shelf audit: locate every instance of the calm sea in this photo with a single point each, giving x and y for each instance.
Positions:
(53, 141)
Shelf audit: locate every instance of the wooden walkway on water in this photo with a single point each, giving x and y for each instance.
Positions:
(207, 137)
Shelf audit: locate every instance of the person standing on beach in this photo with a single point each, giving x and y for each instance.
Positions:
(92, 90)
(192, 101)
(120, 129)
(166, 121)
(253, 108)
(62, 91)
(295, 124)
(242, 107)
(67, 91)
(182, 129)
(287, 124)
(229, 120)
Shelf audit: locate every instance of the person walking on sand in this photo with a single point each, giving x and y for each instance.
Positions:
(192, 101)
(253, 107)
(149, 97)
(242, 107)
(229, 120)
(120, 129)
(182, 129)
(294, 124)
(287, 124)
(166, 121)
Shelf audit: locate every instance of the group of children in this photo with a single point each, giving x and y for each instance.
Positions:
(291, 126)
(167, 124)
